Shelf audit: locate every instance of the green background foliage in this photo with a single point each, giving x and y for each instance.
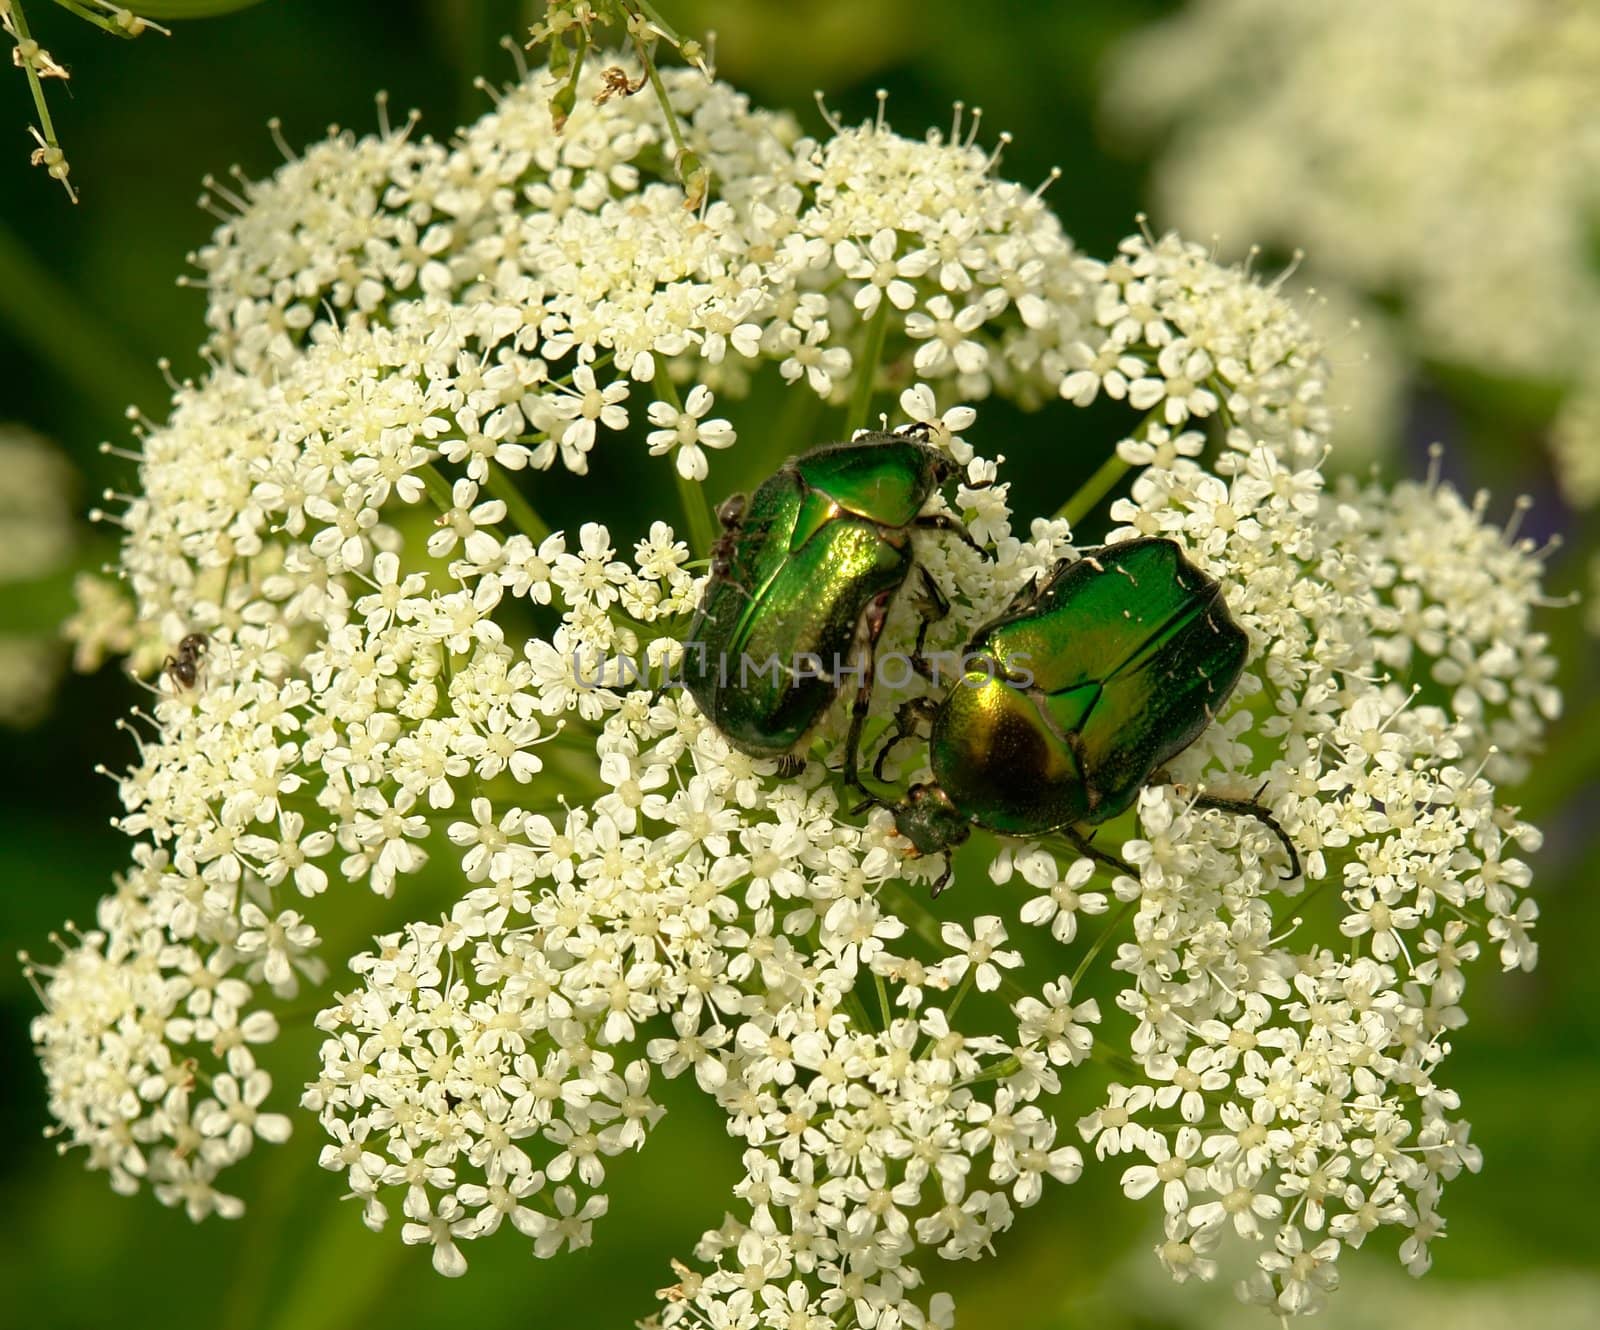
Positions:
(87, 305)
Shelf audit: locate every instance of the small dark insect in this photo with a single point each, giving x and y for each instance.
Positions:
(184, 668)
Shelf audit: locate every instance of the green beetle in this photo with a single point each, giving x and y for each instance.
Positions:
(1071, 701)
(801, 583)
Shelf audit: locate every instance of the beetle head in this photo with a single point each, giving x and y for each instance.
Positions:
(942, 467)
(928, 819)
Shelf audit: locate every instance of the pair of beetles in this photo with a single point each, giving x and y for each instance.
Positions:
(1064, 707)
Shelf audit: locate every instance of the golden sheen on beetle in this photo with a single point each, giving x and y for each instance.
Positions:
(1073, 700)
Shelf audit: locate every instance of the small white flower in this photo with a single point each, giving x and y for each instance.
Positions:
(686, 431)
(982, 952)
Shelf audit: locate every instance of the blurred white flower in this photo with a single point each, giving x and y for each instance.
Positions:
(37, 537)
(1438, 156)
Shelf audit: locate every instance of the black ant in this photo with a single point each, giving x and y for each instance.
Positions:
(184, 668)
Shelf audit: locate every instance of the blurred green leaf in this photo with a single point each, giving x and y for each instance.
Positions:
(190, 8)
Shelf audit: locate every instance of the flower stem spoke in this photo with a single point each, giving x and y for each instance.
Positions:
(691, 174)
(20, 23)
(918, 917)
(437, 485)
(697, 512)
(97, 17)
(1107, 1056)
(1100, 942)
(522, 513)
(858, 1012)
(995, 1072)
(1104, 480)
(866, 370)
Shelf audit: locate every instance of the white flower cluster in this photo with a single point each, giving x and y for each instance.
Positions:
(37, 535)
(1459, 179)
(141, 1011)
(1289, 1094)
(406, 679)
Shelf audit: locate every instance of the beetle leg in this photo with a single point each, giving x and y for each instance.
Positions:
(1263, 815)
(906, 718)
(876, 616)
(1081, 844)
(932, 605)
(1081, 757)
(944, 522)
(1028, 596)
(944, 879)
(790, 764)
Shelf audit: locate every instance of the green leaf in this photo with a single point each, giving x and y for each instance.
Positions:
(159, 9)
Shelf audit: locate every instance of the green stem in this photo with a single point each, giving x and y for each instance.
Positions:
(921, 920)
(438, 486)
(867, 369)
(1103, 1053)
(100, 20)
(1104, 480)
(858, 1012)
(49, 319)
(1100, 944)
(1081, 504)
(522, 513)
(962, 990)
(998, 1071)
(884, 1007)
(660, 90)
(20, 23)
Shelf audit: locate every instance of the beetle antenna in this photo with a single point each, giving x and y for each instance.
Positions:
(1082, 844)
(1263, 815)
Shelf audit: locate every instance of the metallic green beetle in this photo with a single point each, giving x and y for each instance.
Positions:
(1071, 701)
(801, 583)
